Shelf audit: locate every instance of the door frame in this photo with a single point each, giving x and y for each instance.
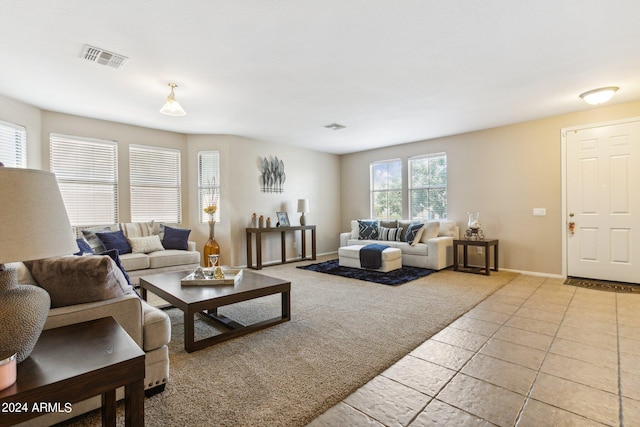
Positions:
(563, 143)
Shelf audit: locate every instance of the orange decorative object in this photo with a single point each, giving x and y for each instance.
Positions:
(211, 247)
(572, 227)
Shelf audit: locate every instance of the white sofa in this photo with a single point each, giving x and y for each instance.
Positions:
(433, 251)
(141, 264)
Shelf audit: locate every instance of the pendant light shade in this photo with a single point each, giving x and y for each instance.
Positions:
(172, 107)
(599, 96)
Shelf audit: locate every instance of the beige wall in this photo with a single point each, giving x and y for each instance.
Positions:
(310, 175)
(503, 173)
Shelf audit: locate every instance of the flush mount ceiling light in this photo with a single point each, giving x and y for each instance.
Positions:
(599, 96)
(335, 126)
(171, 107)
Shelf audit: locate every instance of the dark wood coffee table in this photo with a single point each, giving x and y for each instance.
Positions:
(207, 299)
(73, 363)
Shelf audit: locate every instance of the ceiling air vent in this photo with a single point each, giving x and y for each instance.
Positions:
(104, 57)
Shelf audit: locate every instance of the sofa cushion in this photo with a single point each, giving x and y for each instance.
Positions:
(171, 257)
(385, 233)
(75, 280)
(448, 229)
(415, 249)
(146, 244)
(176, 238)
(431, 229)
(114, 240)
(367, 229)
(133, 262)
(136, 229)
(156, 331)
(388, 223)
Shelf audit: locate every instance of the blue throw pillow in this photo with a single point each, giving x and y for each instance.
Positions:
(115, 240)
(175, 238)
(113, 254)
(367, 230)
(84, 246)
(412, 231)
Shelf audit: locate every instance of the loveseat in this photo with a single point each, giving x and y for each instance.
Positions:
(107, 293)
(425, 244)
(147, 248)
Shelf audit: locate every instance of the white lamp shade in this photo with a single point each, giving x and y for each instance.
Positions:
(303, 205)
(33, 220)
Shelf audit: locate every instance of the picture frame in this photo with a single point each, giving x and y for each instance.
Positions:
(283, 219)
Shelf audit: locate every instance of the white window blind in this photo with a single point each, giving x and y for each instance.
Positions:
(87, 174)
(13, 145)
(209, 183)
(154, 173)
(386, 189)
(428, 186)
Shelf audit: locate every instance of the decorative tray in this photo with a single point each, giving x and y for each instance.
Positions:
(231, 277)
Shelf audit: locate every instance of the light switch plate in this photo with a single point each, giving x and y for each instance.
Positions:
(539, 211)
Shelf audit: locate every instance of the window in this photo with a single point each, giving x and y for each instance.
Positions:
(13, 145)
(154, 175)
(386, 189)
(428, 187)
(87, 174)
(209, 183)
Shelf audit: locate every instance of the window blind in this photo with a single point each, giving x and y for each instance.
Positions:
(13, 145)
(209, 183)
(386, 189)
(154, 174)
(428, 186)
(87, 174)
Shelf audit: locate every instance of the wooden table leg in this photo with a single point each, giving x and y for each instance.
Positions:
(109, 408)
(286, 305)
(258, 251)
(455, 257)
(283, 247)
(303, 242)
(313, 243)
(189, 335)
(249, 254)
(134, 404)
(495, 257)
(487, 261)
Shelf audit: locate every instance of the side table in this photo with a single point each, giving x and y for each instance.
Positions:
(73, 363)
(258, 232)
(486, 244)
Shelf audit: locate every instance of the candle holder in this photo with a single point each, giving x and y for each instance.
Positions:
(474, 232)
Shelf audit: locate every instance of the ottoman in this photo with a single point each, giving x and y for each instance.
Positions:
(349, 256)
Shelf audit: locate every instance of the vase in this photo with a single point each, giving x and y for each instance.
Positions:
(211, 247)
(23, 311)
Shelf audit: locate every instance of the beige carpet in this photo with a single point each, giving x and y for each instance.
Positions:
(343, 333)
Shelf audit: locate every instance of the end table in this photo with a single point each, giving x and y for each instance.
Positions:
(73, 363)
(486, 244)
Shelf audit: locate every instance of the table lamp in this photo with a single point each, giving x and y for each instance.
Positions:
(33, 225)
(303, 206)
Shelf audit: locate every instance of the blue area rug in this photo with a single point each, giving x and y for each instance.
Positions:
(395, 277)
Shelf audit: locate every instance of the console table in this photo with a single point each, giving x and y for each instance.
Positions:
(486, 244)
(73, 363)
(258, 232)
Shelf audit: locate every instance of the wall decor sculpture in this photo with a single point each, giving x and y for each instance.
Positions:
(273, 176)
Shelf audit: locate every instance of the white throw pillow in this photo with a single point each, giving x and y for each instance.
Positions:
(431, 229)
(144, 245)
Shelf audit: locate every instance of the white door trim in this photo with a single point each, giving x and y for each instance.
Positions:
(563, 155)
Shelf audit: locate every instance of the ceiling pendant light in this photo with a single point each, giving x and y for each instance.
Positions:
(172, 107)
(599, 96)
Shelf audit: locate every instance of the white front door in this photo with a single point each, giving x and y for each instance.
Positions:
(603, 202)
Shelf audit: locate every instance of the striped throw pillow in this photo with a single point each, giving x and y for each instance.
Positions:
(389, 234)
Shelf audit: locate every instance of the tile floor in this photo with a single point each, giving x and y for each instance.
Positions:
(535, 353)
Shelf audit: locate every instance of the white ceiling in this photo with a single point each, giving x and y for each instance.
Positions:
(391, 71)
